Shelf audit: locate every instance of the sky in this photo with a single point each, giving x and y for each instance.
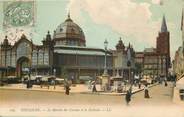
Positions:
(135, 21)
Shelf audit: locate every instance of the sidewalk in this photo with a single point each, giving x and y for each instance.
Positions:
(176, 97)
(79, 88)
(134, 90)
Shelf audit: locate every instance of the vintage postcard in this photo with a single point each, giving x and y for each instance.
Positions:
(86, 58)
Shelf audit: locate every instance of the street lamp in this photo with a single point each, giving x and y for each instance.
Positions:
(105, 76)
(129, 63)
(54, 78)
(105, 65)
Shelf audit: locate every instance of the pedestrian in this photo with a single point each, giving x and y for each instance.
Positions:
(139, 85)
(165, 83)
(136, 77)
(27, 84)
(94, 87)
(93, 83)
(128, 97)
(146, 92)
(89, 84)
(53, 82)
(159, 80)
(67, 89)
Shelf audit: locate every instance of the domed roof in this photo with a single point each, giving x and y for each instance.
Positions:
(69, 29)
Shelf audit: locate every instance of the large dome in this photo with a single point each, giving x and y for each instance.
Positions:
(69, 33)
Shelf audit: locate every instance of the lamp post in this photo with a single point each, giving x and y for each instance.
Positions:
(105, 65)
(54, 70)
(105, 76)
(129, 70)
(129, 63)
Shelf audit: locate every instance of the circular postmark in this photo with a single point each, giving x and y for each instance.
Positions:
(19, 13)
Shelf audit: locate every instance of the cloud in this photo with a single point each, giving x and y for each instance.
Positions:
(156, 1)
(123, 16)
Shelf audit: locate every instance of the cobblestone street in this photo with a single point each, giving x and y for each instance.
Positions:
(161, 97)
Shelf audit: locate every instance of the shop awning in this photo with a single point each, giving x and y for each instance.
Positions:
(41, 67)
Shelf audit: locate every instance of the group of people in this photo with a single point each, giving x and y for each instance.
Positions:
(67, 87)
(129, 94)
(146, 91)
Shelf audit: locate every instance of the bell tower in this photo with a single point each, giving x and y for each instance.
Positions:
(163, 46)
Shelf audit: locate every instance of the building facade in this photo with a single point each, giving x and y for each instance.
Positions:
(163, 48)
(178, 62)
(156, 61)
(63, 53)
(121, 56)
(25, 55)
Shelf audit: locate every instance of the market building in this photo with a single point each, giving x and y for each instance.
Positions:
(65, 51)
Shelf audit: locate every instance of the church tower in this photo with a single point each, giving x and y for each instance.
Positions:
(182, 29)
(163, 46)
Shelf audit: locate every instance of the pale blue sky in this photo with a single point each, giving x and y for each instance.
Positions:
(136, 21)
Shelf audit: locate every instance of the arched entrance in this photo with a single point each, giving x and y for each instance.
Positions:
(23, 65)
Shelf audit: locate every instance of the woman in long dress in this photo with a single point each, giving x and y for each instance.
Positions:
(146, 92)
(128, 97)
(67, 89)
(94, 86)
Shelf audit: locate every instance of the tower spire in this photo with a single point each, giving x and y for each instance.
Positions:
(69, 15)
(182, 20)
(182, 28)
(69, 19)
(164, 25)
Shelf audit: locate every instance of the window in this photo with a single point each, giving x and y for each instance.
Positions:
(40, 57)
(72, 43)
(13, 61)
(34, 57)
(3, 59)
(23, 50)
(46, 58)
(8, 59)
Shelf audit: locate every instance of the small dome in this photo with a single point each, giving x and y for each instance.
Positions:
(69, 31)
(48, 36)
(5, 42)
(120, 45)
